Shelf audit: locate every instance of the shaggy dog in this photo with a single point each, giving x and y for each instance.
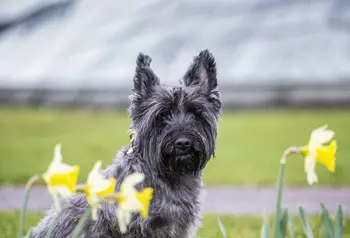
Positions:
(175, 135)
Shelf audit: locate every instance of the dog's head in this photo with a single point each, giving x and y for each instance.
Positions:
(176, 127)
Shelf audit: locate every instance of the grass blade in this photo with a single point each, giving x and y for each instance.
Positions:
(327, 223)
(80, 226)
(305, 223)
(284, 223)
(265, 230)
(291, 227)
(339, 222)
(222, 228)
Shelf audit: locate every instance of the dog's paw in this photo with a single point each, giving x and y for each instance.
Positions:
(154, 224)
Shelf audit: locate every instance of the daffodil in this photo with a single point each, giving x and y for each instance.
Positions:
(130, 200)
(317, 152)
(61, 178)
(96, 187)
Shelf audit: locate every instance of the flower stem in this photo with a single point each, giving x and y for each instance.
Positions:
(28, 187)
(286, 154)
(279, 199)
(81, 223)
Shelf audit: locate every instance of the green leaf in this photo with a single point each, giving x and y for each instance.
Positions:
(222, 228)
(291, 227)
(305, 223)
(279, 199)
(284, 223)
(265, 230)
(327, 223)
(339, 222)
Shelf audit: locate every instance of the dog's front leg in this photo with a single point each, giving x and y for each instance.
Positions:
(162, 226)
(155, 226)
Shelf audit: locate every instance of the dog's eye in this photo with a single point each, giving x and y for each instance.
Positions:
(161, 116)
(197, 111)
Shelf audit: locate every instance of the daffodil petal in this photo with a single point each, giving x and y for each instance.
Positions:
(55, 199)
(94, 211)
(310, 164)
(122, 220)
(57, 158)
(130, 181)
(95, 173)
(63, 191)
(98, 186)
(109, 189)
(311, 177)
(321, 136)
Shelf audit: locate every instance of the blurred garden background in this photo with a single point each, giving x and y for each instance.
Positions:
(66, 70)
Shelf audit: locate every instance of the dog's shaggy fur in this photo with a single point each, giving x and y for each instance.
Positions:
(175, 135)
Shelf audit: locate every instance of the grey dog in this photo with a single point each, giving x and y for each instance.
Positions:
(175, 136)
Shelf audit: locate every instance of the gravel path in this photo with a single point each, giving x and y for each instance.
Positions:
(219, 200)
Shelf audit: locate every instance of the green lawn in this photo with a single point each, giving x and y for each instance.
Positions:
(248, 148)
(245, 227)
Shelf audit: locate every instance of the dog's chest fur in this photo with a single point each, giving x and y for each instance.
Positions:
(175, 208)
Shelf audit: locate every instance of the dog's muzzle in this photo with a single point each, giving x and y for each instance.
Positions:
(183, 157)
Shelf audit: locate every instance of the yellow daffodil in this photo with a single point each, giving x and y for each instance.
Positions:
(317, 152)
(130, 200)
(60, 178)
(96, 187)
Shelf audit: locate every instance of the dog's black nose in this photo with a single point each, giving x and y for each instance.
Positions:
(183, 143)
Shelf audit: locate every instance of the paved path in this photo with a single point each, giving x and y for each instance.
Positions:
(219, 200)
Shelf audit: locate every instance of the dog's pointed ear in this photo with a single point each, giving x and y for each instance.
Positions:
(202, 72)
(145, 79)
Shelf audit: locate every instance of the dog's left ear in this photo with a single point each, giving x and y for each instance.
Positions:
(202, 72)
(145, 79)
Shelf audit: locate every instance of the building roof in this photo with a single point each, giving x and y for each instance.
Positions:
(89, 43)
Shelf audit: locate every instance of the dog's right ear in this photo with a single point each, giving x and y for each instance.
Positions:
(145, 79)
(202, 72)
